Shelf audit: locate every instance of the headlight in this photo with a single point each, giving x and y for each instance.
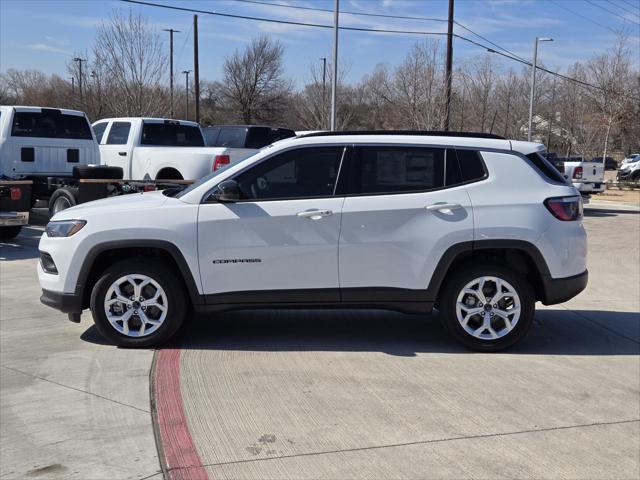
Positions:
(64, 228)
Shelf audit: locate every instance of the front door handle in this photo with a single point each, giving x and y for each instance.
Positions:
(122, 154)
(315, 214)
(444, 206)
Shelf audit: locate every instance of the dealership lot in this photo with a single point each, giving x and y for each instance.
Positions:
(341, 394)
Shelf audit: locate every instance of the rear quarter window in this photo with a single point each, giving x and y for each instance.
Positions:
(545, 168)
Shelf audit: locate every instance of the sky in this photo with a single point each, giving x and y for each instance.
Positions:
(44, 34)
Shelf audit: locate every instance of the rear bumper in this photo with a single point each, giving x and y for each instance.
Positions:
(589, 187)
(558, 290)
(10, 219)
(65, 302)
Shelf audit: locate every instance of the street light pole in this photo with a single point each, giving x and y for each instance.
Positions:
(324, 90)
(186, 91)
(534, 66)
(334, 80)
(171, 32)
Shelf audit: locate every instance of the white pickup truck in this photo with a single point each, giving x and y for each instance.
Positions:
(586, 176)
(157, 148)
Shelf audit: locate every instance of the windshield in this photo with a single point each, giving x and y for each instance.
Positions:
(632, 159)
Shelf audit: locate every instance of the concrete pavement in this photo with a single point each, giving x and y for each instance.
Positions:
(71, 407)
(352, 394)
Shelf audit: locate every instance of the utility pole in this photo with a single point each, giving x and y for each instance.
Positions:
(534, 66)
(171, 32)
(334, 80)
(448, 68)
(186, 91)
(73, 85)
(196, 67)
(79, 60)
(324, 90)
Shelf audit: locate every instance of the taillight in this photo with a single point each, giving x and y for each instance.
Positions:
(220, 161)
(577, 173)
(565, 208)
(16, 193)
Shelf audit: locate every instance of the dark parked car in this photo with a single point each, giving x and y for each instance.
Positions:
(244, 136)
(609, 163)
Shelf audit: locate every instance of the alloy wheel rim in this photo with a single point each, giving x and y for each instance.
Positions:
(136, 305)
(488, 308)
(61, 204)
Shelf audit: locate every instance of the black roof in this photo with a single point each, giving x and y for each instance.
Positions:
(426, 133)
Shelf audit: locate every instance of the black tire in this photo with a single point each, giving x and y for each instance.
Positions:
(104, 172)
(166, 278)
(9, 233)
(62, 199)
(468, 273)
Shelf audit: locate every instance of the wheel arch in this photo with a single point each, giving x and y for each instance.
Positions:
(169, 173)
(104, 254)
(522, 256)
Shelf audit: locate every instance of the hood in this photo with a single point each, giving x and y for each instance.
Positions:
(132, 201)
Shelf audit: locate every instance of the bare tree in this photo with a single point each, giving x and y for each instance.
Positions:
(129, 58)
(254, 80)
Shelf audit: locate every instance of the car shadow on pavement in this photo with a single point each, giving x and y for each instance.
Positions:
(23, 247)
(555, 332)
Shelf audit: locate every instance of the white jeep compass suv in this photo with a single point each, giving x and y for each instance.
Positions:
(476, 226)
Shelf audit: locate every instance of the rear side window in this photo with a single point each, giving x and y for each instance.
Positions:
(50, 123)
(171, 135)
(119, 133)
(231, 137)
(377, 170)
(258, 137)
(98, 130)
(211, 135)
(544, 167)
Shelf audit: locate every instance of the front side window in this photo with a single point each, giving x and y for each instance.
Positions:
(119, 133)
(98, 130)
(390, 169)
(299, 173)
(50, 123)
(171, 135)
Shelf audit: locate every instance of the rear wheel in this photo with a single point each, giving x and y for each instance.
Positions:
(62, 199)
(9, 233)
(487, 307)
(137, 304)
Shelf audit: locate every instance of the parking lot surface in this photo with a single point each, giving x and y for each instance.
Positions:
(339, 394)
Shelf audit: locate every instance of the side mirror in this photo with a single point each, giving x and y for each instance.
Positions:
(227, 191)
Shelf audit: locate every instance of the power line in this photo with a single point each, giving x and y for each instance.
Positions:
(582, 16)
(286, 22)
(637, 13)
(631, 4)
(380, 15)
(317, 25)
(317, 9)
(609, 11)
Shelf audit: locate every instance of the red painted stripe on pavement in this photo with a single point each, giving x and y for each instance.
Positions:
(180, 454)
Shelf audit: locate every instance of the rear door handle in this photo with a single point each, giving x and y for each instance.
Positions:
(315, 214)
(444, 206)
(122, 154)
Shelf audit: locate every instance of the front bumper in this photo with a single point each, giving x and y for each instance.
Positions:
(558, 290)
(65, 302)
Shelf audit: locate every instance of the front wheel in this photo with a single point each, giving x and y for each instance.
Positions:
(138, 304)
(487, 307)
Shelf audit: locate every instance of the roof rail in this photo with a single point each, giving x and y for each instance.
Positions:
(426, 133)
